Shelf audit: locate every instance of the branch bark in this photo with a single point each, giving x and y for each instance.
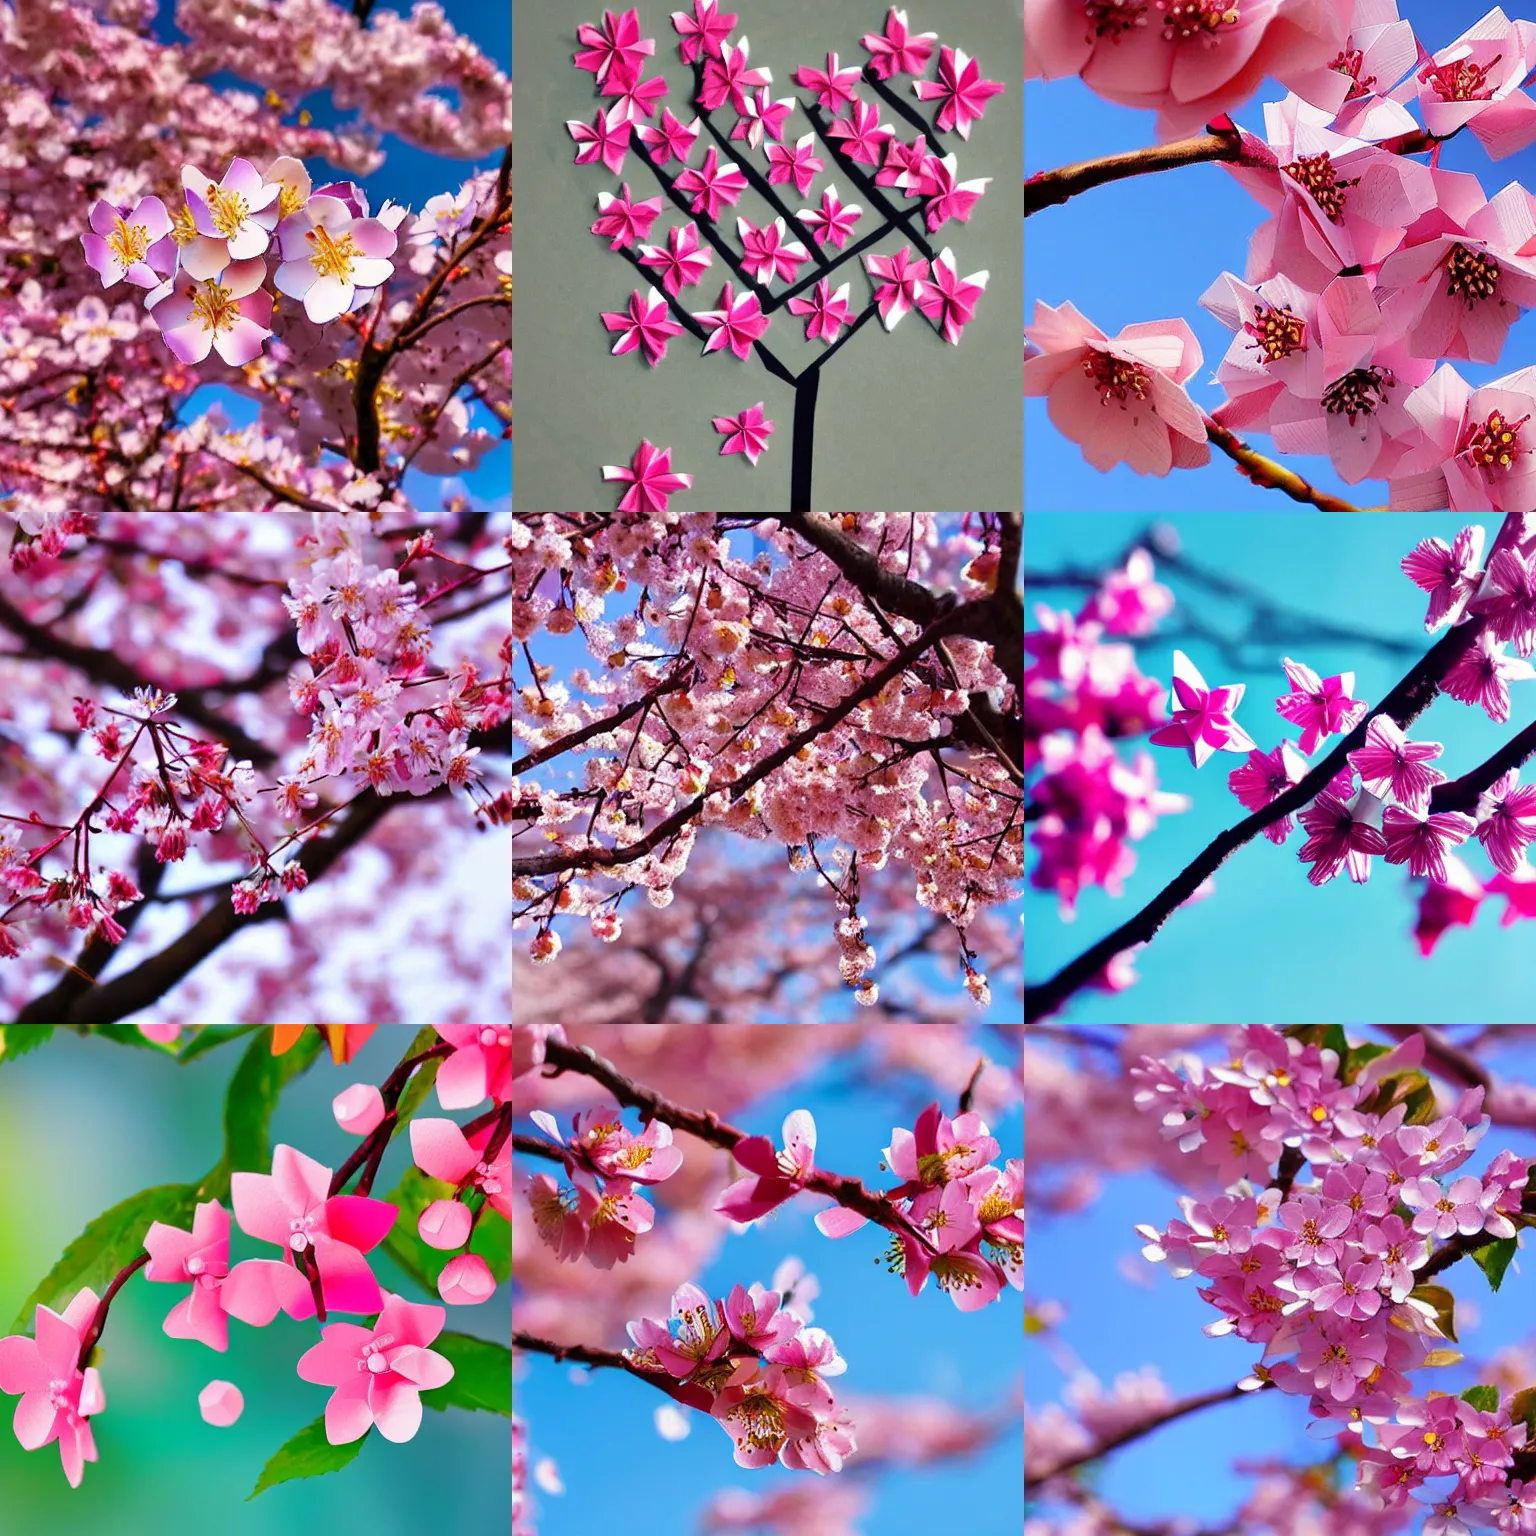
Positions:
(1266, 472)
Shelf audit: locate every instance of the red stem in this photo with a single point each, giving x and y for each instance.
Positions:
(99, 1321)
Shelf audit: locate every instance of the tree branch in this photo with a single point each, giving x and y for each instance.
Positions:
(581, 1354)
(1266, 472)
(537, 1146)
(600, 727)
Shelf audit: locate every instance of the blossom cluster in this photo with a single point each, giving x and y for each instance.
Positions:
(1329, 1274)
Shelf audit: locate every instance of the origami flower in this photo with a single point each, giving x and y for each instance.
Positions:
(605, 138)
(704, 31)
(1475, 82)
(644, 324)
(1508, 599)
(833, 220)
(485, 1060)
(773, 1176)
(615, 48)
(747, 433)
(378, 1372)
(712, 183)
(1338, 838)
(1320, 708)
(904, 275)
(947, 198)
(905, 167)
(1506, 820)
(200, 1257)
(638, 98)
(828, 311)
(241, 210)
(860, 133)
(728, 77)
(441, 1149)
(768, 252)
(1119, 399)
(833, 86)
(134, 244)
(358, 1109)
(1421, 842)
(466, 1281)
(1264, 777)
(950, 301)
(328, 254)
(231, 314)
(1482, 675)
(294, 1208)
(898, 51)
(673, 139)
(1390, 764)
(797, 164)
(736, 324)
(57, 1398)
(650, 478)
(960, 86)
(1450, 573)
(1203, 722)
(763, 116)
(682, 263)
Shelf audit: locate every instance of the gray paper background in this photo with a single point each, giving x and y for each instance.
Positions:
(903, 421)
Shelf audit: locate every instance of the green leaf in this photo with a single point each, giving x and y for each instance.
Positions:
(128, 1034)
(1493, 1259)
(253, 1094)
(1522, 1409)
(482, 1375)
(416, 1190)
(308, 1454)
(421, 1083)
(1335, 1040)
(1421, 1105)
(18, 1039)
(1444, 1304)
(1393, 1090)
(1484, 1399)
(210, 1037)
(110, 1243)
(1360, 1057)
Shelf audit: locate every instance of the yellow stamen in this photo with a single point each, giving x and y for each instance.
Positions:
(215, 306)
(229, 211)
(332, 258)
(128, 242)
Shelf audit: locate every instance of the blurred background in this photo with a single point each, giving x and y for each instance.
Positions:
(83, 1124)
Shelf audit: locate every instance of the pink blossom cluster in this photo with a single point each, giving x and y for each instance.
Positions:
(752, 1363)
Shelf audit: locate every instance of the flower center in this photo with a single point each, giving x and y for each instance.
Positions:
(1472, 274)
(1276, 332)
(759, 1420)
(1358, 393)
(1317, 174)
(1349, 62)
(299, 1229)
(1190, 18)
(128, 242)
(1460, 80)
(289, 201)
(215, 306)
(490, 1035)
(1493, 444)
(183, 226)
(1114, 376)
(1109, 18)
(229, 211)
(194, 1265)
(332, 258)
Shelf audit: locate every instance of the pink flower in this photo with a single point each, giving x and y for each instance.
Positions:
(650, 478)
(1264, 777)
(1506, 820)
(556, 1217)
(767, 252)
(230, 314)
(615, 48)
(57, 1398)
(904, 276)
(1421, 842)
(644, 324)
(860, 133)
(220, 1403)
(712, 183)
(378, 1372)
(947, 198)
(763, 116)
(1450, 573)
(949, 300)
(328, 255)
(1337, 838)
(828, 311)
(358, 1109)
(485, 1059)
(294, 1209)
(833, 220)
(134, 244)
(1475, 449)
(199, 1257)
(833, 86)
(906, 167)
(673, 139)
(799, 164)
(938, 1149)
(736, 324)
(1203, 722)
(754, 1318)
(898, 51)
(637, 98)
(466, 1281)
(626, 221)
(756, 1411)
(1475, 82)
(440, 1148)
(605, 138)
(1482, 674)
(1338, 1356)
(1399, 1251)
(1390, 764)
(704, 31)
(773, 1177)
(681, 263)
(747, 433)
(800, 1361)
(727, 77)
(1320, 708)
(602, 1143)
(241, 211)
(960, 86)
(1451, 905)
(1442, 1214)
(1509, 599)
(697, 1334)
(1120, 399)
(161, 1034)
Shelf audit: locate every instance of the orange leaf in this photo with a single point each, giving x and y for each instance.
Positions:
(284, 1036)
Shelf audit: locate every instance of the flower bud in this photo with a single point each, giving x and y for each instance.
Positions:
(358, 1109)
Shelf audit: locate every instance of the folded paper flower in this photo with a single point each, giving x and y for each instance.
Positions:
(960, 86)
(650, 477)
(615, 48)
(768, 252)
(199, 1258)
(795, 163)
(57, 1397)
(903, 274)
(736, 324)
(681, 263)
(702, 33)
(486, 1057)
(862, 135)
(605, 138)
(904, 167)
(638, 98)
(948, 198)
(747, 433)
(898, 50)
(834, 87)
(950, 301)
(644, 324)
(625, 220)
(828, 311)
(712, 184)
(672, 140)
(833, 220)
(728, 78)
(764, 116)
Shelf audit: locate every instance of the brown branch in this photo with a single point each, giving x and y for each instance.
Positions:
(379, 1137)
(969, 1091)
(536, 1146)
(601, 727)
(582, 1354)
(99, 1318)
(1448, 1253)
(1265, 472)
(411, 337)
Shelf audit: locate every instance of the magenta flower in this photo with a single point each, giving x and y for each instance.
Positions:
(861, 134)
(904, 167)
(753, 1315)
(242, 210)
(136, 245)
(736, 324)
(748, 433)
(613, 1216)
(230, 314)
(199, 1257)
(772, 1176)
(828, 311)
(638, 98)
(380, 1372)
(605, 138)
(1398, 1250)
(1390, 764)
(937, 1149)
(1482, 674)
(798, 164)
(650, 478)
(673, 139)
(898, 51)
(614, 49)
(1264, 777)
(57, 1398)
(1337, 839)
(694, 1335)
(358, 1109)
(220, 1403)
(949, 300)
(904, 276)
(768, 252)
(704, 31)
(756, 1412)
(948, 198)
(1320, 708)
(681, 263)
(602, 1143)
(833, 220)
(729, 78)
(1461, 1207)
(712, 183)
(627, 221)
(328, 255)
(764, 116)
(644, 324)
(330, 1233)
(440, 1148)
(1450, 573)
(1509, 599)
(800, 1360)
(482, 1065)
(1203, 722)
(960, 86)
(1506, 820)
(1421, 842)
(833, 86)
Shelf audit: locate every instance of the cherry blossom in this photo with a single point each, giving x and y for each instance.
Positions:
(712, 183)
(1422, 841)
(1506, 820)
(644, 324)
(904, 276)
(704, 31)
(748, 433)
(896, 50)
(485, 1059)
(328, 254)
(728, 77)
(1338, 834)
(1320, 707)
(962, 90)
(240, 211)
(650, 478)
(220, 1403)
(828, 311)
(1481, 675)
(1389, 763)
(133, 243)
(199, 1258)
(1450, 573)
(604, 139)
(58, 1399)
(763, 117)
(682, 263)
(947, 198)
(736, 324)
(1508, 599)
(1265, 776)
(637, 98)
(949, 300)
(615, 48)
(833, 220)
(862, 136)
(1475, 82)
(1475, 450)
(833, 86)
(672, 139)
(358, 1109)
(800, 164)
(773, 1177)
(230, 314)
(768, 252)
(627, 221)
(1203, 722)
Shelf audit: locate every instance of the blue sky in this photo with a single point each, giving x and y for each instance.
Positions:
(1267, 945)
(1114, 1325)
(1148, 247)
(895, 1345)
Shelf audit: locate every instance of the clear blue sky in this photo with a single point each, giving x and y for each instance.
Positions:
(1114, 1325)
(1267, 945)
(895, 1345)
(1148, 247)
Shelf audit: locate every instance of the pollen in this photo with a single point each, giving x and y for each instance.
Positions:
(128, 242)
(1196, 18)
(215, 306)
(289, 200)
(183, 226)
(1115, 376)
(1358, 392)
(1460, 80)
(332, 258)
(1472, 274)
(1316, 173)
(229, 211)
(1493, 444)
(1277, 333)
(1111, 18)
